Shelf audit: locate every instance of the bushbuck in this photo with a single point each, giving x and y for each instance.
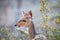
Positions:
(26, 21)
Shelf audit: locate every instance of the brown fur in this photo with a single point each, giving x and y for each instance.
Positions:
(31, 30)
(25, 21)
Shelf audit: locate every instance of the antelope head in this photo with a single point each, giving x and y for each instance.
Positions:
(25, 19)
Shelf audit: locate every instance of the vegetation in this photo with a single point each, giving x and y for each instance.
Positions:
(6, 33)
(52, 33)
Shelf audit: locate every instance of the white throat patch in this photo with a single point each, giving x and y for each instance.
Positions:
(25, 29)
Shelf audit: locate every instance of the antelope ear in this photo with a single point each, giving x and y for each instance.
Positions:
(30, 12)
(23, 13)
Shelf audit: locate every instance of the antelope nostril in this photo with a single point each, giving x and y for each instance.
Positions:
(15, 25)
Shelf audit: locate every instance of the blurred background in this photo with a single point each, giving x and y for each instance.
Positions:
(46, 18)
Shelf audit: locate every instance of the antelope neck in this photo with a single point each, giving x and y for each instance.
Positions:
(31, 30)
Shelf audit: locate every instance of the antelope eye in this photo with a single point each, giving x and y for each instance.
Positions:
(24, 20)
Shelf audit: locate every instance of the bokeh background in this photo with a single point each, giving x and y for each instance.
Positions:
(11, 12)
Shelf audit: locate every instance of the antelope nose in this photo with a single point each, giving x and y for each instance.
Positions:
(15, 25)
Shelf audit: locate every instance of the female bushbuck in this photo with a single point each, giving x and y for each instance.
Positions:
(27, 22)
